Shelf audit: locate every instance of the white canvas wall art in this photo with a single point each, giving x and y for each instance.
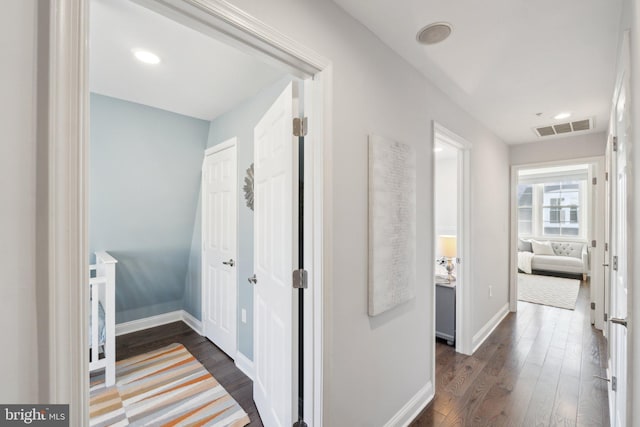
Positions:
(392, 223)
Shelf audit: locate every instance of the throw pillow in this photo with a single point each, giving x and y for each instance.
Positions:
(524, 246)
(542, 248)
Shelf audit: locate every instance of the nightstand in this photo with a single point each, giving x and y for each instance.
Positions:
(446, 312)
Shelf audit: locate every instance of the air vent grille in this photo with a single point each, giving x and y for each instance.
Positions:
(581, 125)
(564, 128)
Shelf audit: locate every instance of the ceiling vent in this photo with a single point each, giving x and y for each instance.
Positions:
(564, 128)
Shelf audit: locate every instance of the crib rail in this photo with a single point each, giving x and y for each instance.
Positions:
(102, 289)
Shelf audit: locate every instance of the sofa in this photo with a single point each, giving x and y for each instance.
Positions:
(564, 258)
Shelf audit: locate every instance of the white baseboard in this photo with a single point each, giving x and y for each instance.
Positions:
(413, 407)
(486, 330)
(244, 364)
(148, 322)
(159, 320)
(194, 323)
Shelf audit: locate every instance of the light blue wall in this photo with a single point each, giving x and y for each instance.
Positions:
(239, 123)
(145, 185)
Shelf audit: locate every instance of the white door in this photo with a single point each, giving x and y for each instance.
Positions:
(619, 271)
(275, 249)
(219, 241)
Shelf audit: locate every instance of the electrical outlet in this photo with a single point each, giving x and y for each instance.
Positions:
(244, 315)
(490, 290)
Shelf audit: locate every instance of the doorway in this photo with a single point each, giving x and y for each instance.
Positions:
(557, 229)
(219, 279)
(72, 144)
(451, 219)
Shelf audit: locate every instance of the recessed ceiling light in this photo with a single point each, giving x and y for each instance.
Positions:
(437, 149)
(562, 116)
(434, 33)
(146, 56)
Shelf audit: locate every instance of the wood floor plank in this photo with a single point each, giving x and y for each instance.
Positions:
(536, 369)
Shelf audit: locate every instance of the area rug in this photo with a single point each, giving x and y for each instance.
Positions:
(166, 387)
(548, 290)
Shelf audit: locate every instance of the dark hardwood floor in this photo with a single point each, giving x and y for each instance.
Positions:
(212, 358)
(536, 369)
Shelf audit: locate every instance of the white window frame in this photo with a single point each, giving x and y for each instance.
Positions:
(537, 206)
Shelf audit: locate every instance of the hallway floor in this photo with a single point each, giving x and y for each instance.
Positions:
(536, 369)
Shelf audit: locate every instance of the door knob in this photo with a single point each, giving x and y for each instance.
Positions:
(253, 279)
(617, 321)
(230, 263)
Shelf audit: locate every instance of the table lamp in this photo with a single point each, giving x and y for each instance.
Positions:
(448, 250)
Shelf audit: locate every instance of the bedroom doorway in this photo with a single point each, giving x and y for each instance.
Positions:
(73, 143)
(451, 241)
(557, 233)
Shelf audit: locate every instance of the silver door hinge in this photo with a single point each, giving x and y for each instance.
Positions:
(606, 246)
(300, 280)
(605, 317)
(593, 306)
(615, 143)
(606, 176)
(615, 263)
(594, 180)
(299, 126)
(593, 243)
(614, 383)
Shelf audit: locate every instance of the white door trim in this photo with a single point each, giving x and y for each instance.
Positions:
(232, 142)
(66, 361)
(596, 225)
(225, 145)
(464, 343)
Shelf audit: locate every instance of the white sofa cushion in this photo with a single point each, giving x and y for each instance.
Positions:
(562, 264)
(542, 248)
(573, 249)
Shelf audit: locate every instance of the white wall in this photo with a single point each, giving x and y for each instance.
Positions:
(446, 196)
(18, 361)
(375, 365)
(574, 147)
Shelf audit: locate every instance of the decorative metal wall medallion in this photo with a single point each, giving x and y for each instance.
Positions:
(248, 187)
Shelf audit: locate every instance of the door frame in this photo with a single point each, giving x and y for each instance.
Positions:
(230, 143)
(464, 342)
(65, 360)
(596, 231)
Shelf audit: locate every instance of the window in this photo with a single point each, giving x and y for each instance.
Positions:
(552, 209)
(560, 206)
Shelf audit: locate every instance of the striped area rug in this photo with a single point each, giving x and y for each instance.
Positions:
(166, 387)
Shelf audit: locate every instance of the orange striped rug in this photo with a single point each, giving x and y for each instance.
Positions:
(166, 387)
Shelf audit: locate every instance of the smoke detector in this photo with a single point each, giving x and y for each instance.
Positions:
(565, 128)
(434, 33)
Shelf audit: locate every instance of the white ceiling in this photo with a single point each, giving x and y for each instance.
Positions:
(197, 76)
(507, 60)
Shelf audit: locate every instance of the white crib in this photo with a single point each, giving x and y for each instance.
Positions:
(102, 329)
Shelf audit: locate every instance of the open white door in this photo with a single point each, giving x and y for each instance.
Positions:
(275, 251)
(619, 261)
(219, 242)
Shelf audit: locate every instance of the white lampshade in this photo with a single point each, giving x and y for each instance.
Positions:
(447, 246)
